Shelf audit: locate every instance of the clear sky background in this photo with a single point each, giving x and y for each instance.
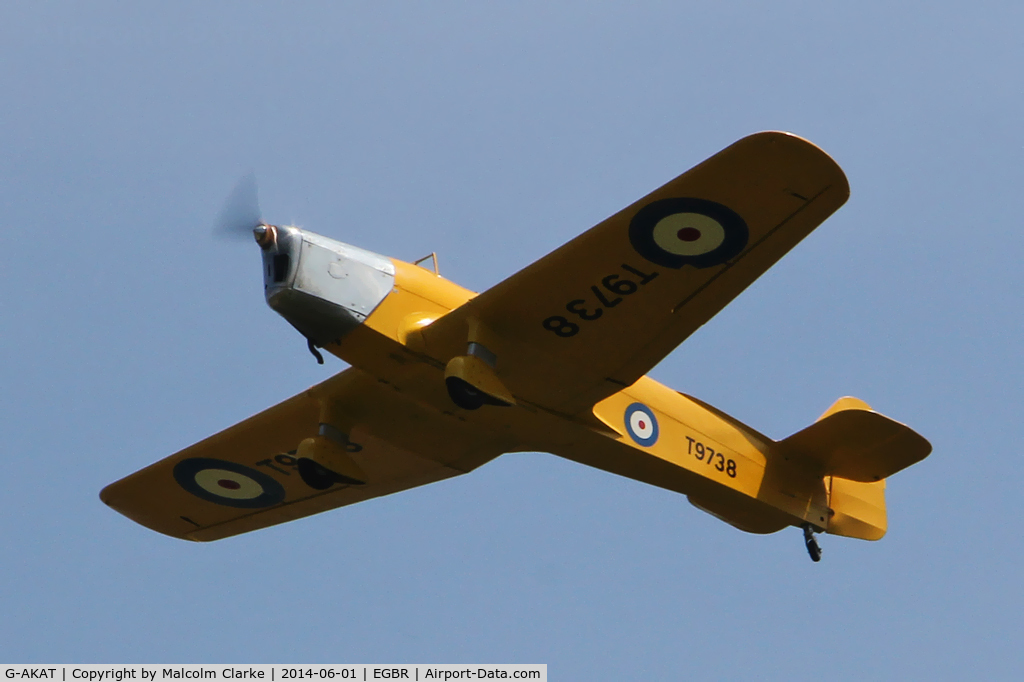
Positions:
(492, 134)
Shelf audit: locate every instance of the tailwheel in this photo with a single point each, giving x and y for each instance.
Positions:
(812, 545)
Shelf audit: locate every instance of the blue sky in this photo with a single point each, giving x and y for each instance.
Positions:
(492, 133)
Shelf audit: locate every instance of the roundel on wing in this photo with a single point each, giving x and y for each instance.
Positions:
(687, 231)
(228, 483)
(641, 424)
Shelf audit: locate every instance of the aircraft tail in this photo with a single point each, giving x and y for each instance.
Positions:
(856, 448)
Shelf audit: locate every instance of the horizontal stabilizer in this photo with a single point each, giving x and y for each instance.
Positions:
(856, 444)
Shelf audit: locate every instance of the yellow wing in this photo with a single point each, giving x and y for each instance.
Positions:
(596, 314)
(245, 477)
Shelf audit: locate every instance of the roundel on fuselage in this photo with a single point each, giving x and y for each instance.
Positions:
(641, 424)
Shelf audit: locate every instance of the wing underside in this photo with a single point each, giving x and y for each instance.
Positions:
(246, 478)
(596, 314)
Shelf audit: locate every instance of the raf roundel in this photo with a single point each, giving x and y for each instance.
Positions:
(228, 483)
(641, 424)
(687, 231)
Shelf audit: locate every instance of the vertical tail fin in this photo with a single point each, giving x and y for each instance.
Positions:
(846, 403)
(858, 508)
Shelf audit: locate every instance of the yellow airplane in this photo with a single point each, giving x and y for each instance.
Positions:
(552, 359)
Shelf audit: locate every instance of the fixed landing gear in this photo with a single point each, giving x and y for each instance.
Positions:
(464, 395)
(812, 545)
(314, 475)
(319, 477)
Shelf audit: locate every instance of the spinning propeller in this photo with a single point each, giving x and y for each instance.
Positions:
(241, 216)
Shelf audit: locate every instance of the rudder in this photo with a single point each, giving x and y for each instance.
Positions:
(858, 509)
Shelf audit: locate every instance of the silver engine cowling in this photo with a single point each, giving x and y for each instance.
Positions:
(323, 287)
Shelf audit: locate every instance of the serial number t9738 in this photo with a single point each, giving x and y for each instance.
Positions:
(705, 453)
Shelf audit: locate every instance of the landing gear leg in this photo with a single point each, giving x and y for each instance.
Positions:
(812, 545)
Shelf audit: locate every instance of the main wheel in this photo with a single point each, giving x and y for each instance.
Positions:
(463, 394)
(314, 475)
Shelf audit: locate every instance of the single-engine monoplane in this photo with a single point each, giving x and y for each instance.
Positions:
(552, 359)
